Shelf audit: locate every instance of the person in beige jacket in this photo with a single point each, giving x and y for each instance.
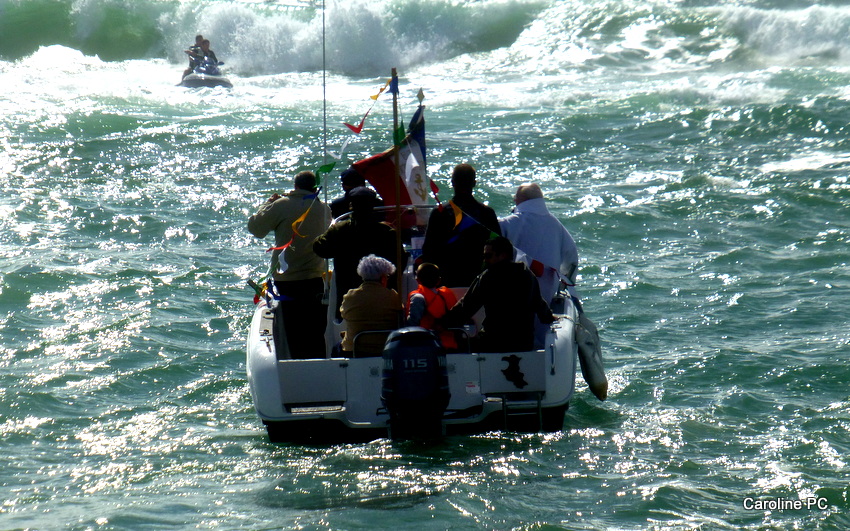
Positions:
(297, 270)
(369, 307)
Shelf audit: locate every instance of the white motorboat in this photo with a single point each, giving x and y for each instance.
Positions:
(414, 389)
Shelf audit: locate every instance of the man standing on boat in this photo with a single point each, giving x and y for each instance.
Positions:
(454, 236)
(547, 244)
(350, 240)
(297, 218)
(510, 295)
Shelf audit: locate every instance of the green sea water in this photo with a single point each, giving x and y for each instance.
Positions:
(697, 151)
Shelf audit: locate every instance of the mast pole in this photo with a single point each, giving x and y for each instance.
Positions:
(396, 162)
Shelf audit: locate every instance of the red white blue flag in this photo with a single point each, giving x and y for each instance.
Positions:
(380, 171)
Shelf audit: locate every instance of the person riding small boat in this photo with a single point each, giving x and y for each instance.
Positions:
(195, 53)
(203, 68)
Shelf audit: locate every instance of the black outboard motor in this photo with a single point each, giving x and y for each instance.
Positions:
(415, 386)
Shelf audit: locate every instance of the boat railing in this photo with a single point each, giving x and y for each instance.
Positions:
(359, 353)
(417, 208)
(465, 332)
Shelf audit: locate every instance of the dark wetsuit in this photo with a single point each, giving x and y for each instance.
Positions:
(510, 295)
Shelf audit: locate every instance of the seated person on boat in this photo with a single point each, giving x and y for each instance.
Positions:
(208, 54)
(510, 295)
(196, 55)
(370, 307)
(429, 302)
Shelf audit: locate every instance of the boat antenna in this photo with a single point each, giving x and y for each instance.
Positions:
(324, 104)
(325, 277)
(396, 157)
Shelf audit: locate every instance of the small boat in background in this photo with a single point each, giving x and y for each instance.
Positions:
(206, 74)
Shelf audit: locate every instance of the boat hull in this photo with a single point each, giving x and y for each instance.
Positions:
(339, 399)
(205, 80)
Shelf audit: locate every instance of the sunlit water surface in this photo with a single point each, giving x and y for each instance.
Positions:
(697, 151)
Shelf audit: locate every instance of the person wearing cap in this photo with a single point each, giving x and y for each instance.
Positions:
(349, 179)
(297, 270)
(371, 306)
(456, 247)
(349, 240)
(547, 244)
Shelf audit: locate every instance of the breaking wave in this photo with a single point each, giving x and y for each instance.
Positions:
(268, 38)
(362, 37)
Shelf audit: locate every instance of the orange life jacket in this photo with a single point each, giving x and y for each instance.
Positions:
(436, 306)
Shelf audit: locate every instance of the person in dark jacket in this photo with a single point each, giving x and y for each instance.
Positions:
(510, 295)
(195, 53)
(208, 54)
(455, 245)
(350, 240)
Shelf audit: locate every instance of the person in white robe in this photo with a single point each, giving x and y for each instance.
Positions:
(549, 248)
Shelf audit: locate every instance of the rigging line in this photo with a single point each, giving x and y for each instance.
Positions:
(326, 278)
(324, 103)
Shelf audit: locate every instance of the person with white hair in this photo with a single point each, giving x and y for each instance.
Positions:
(371, 306)
(549, 247)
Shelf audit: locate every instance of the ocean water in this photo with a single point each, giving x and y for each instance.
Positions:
(698, 151)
